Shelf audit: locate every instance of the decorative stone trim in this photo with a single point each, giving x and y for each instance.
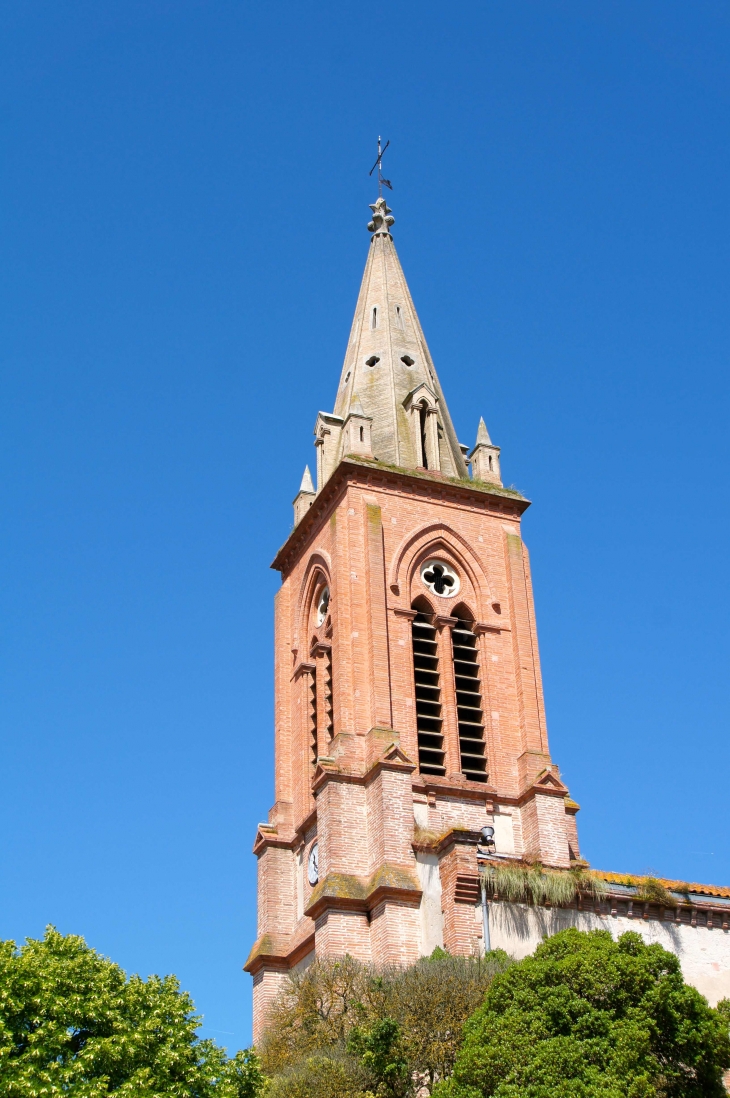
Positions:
(463, 787)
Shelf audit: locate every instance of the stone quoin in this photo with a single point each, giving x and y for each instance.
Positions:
(409, 707)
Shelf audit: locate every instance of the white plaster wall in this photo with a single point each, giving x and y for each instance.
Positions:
(504, 833)
(430, 917)
(305, 962)
(703, 954)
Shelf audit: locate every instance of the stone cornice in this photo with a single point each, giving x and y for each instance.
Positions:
(548, 784)
(439, 844)
(471, 791)
(360, 470)
(303, 667)
(347, 892)
(273, 951)
(394, 759)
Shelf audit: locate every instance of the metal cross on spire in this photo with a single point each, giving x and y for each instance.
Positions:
(382, 181)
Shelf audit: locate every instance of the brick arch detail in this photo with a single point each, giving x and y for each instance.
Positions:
(318, 564)
(427, 542)
(463, 605)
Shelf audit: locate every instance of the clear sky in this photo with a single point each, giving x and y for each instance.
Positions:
(183, 208)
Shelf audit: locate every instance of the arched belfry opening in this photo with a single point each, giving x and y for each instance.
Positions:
(469, 706)
(426, 673)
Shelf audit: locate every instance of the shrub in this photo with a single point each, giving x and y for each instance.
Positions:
(652, 891)
(333, 1020)
(586, 1016)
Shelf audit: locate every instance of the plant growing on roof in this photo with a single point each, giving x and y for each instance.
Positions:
(653, 891)
(534, 884)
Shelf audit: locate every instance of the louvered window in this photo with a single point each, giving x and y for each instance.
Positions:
(328, 705)
(469, 700)
(312, 719)
(428, 695)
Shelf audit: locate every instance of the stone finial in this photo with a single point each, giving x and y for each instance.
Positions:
(484, 458)
(382, 218)
(305, 497)
(307, 484)
(483, 433)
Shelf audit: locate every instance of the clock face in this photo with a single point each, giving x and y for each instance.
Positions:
(313, 865)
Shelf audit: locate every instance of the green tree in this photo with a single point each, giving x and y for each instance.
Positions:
(380, 1054)
(586, 1017)
(72, 1024)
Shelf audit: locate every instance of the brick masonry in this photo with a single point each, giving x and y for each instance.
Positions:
(359, 793)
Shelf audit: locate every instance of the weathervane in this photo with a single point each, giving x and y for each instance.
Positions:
(379, 165)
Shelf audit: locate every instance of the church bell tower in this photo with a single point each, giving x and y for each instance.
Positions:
(409, 708)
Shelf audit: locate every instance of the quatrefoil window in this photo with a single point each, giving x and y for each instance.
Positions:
(440, 578)
(323, 602)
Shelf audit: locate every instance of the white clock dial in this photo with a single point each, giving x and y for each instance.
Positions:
(313, 865)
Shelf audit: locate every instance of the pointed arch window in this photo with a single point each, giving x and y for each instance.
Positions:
(422, 420)
(374, 317)
(428, 691)
(470, 714)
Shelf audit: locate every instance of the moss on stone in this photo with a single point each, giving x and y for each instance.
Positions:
(424, 474)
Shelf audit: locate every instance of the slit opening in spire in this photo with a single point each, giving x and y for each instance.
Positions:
(422, 416)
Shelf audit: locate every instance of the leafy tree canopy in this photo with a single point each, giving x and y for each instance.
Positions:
(72, 1024)
(586, 1016)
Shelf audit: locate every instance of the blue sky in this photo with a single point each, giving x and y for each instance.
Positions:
(183, 202)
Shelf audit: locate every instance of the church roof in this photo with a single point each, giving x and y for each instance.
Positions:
(388, 360)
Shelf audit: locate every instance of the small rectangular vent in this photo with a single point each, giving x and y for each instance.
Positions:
(467, 890)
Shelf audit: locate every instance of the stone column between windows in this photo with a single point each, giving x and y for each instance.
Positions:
(303, 771)
(404, 682)
(486, 634)
(447, 681)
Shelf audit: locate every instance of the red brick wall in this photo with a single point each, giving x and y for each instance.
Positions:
(368, 544)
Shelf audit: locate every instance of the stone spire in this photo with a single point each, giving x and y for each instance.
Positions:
(306, 485)
(483, 433)
(305, 496)
(389, 391)
(484, 458)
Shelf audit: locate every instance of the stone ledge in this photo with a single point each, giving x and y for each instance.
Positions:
(347, 892)
(275, 951)
(352, 469)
